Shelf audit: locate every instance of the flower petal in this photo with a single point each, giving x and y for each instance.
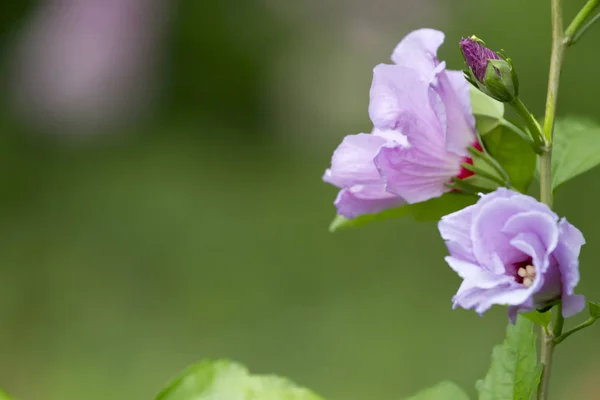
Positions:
(487, 236)
(352, 162)
(418, 50)
(572, 305)
(541, 224)
(455, 229)
(392, 136)
(492, 213)
(567, 254)
(478, 276)
(413, 174)
(365, 199)
(400, 101)
(453, 90)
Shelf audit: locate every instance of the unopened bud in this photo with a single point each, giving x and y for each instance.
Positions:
(488, 71)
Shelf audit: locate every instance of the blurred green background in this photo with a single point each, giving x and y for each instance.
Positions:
(198, 227)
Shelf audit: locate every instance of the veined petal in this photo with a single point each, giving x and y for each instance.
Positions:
(413, 174)
(365, 199)
(392, 136)
(418, 50)
(400, 101)
(453, 90)
(537, 223)
(572, 304)
(478, 276)
(567, 254)
(352, 162)
(486, 232)
(455, 230)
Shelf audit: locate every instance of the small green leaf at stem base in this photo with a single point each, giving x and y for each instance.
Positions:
(515, 371)
(442, 391)
(212, 380)
(539, 318)
(594, 309)
(430, 210)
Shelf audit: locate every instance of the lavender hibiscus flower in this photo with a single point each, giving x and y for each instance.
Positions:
(512, 250)
(423, 124)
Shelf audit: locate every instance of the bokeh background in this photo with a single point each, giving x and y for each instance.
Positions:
(162, 200)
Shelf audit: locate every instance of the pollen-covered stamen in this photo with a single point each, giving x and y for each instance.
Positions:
(528, 275)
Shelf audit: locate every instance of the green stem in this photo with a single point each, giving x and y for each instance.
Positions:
(559, 323)
(556, 60)
(575, 38)
(577, 27)
(546, 178)
(522, 134)
(579, 327)
(534, 127)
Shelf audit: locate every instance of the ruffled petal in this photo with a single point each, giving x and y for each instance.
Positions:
(478, 276)
(546, 285)
(418, 50)
(455, 229)
(400, 101)
(352, 162)
(413, 174)
(487, 236)
(453, 90)
(365, 199)
(492, 213)
(572, 305)
(567, 256)
(392, 136)
(542, 225)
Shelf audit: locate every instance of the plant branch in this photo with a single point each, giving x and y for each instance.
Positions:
(534, 127)
(577, 27)
(579, 327)
(556, 60)
(575, 38)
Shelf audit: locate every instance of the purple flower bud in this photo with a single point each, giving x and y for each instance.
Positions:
(512, 250)
(477, 56)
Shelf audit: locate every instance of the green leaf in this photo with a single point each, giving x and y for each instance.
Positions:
(542, 319)
(514, 154)
(442, 391)
(487, 111)
(514, 373)
(594, 309)
(484, 105)
(225, 380)
(430, 210)
(576, 149)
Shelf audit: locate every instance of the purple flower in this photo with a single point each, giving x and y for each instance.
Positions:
(477, 56)
(512, 250)
(423, 124)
